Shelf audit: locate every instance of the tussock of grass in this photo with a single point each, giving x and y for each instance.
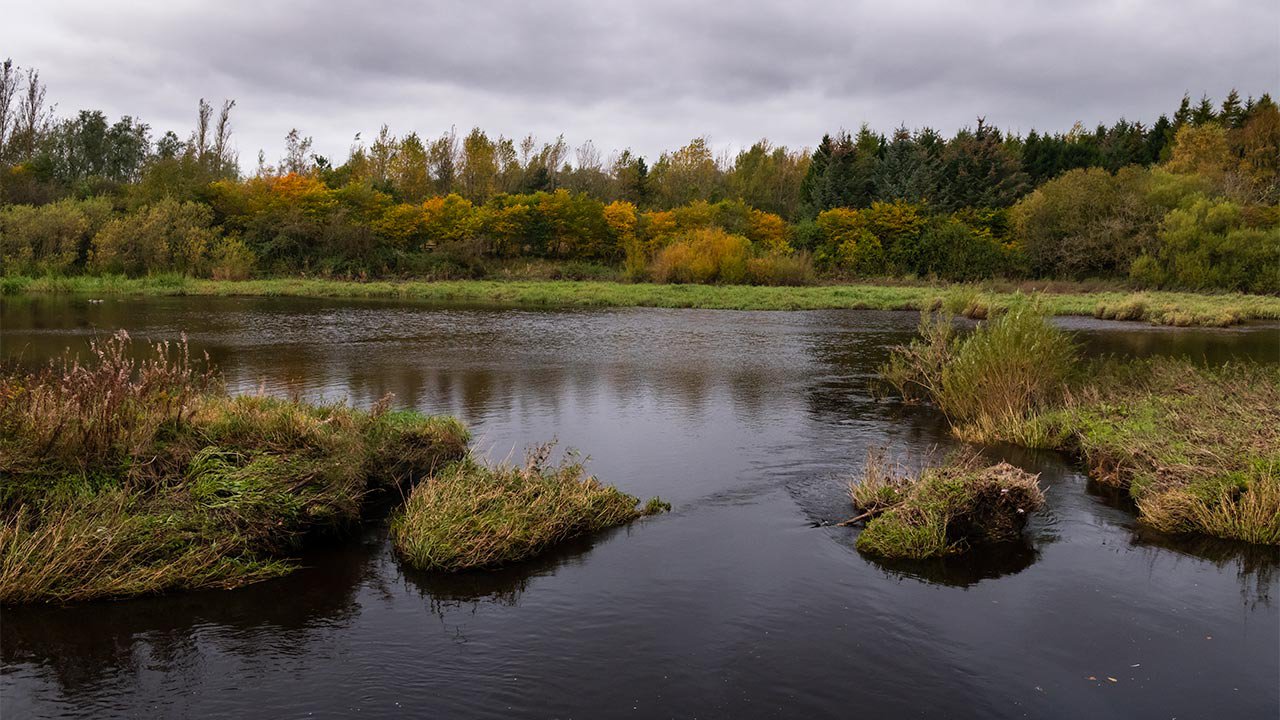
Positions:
(992, 378)
(475, 516)
(972, 300)
(945, 509)
(127, 477)
(1197, 448)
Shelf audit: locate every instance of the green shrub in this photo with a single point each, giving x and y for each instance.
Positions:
(1087, 222)
(1207, 245)
(231, 259)
(45, 239)
(167, 236)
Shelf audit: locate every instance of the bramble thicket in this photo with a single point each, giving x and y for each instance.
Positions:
(1189, 202)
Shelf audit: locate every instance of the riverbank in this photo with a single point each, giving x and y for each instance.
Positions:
(974, 300)
(1196, 448)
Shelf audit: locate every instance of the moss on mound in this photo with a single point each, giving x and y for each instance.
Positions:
(945, 509)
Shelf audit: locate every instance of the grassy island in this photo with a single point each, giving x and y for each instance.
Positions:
(942, 510)
(125, 476)
(473, 515)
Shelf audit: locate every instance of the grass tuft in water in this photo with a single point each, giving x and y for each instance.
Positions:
(477, 516)
(943, 510)
(993, 378)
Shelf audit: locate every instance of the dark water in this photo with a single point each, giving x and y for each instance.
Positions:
(734, 604)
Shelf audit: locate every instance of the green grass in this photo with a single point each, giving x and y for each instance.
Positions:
(944, 510)
(1197, 448)
(1173, 308)
(126, 477)
(476, 516)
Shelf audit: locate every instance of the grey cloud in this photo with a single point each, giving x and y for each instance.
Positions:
(646, 75)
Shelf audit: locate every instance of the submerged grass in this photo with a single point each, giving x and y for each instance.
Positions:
(971, 300)
(943, 510)
(126, 477)
(477, 516)
(1197, 448)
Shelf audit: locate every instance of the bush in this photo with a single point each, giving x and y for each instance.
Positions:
(473, 516)
(231, 259)
(166, 236)
(1207, 245)
(49, 239)
(1087, 223)
(950, 249)
(703, 256)
(794, 269)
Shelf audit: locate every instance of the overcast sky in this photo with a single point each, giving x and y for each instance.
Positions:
(645, 75)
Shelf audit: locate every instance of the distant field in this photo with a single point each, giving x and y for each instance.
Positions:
(1168, 308)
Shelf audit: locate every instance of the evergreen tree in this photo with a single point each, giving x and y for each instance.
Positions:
(1204, 112)
(1232, 114)
(1158, 140)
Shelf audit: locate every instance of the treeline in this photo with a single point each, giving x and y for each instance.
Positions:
(1189, 201)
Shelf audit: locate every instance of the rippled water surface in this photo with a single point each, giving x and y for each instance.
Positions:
(740, 602)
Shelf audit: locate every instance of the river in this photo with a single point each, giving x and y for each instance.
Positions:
(742, 602)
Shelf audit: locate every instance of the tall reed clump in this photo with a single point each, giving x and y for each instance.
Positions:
(942, 510)
(990, 381)
(132, 473)
(475, 516)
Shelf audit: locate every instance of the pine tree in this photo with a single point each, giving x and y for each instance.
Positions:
(1232, 115)
(1204, 112)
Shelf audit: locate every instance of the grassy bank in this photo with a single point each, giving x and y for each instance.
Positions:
(475, 516)
(1169, 308)
(127, 477)
(1197, 448)
(944, 509)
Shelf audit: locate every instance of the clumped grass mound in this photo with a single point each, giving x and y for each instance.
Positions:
(1197, 448)
(127, 476)
(475, 516)
(943, 510)
(990, 379)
